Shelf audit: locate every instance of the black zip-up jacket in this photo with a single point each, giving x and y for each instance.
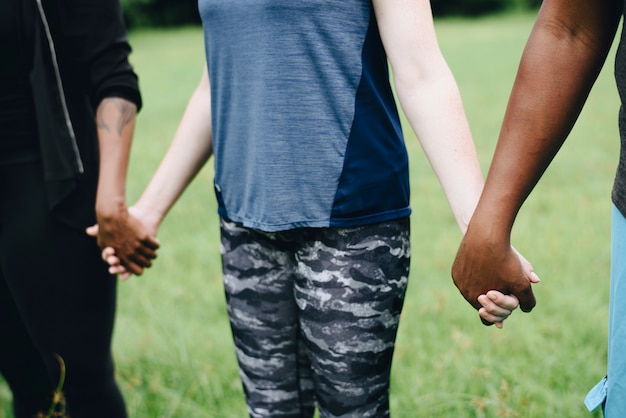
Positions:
(80, 57)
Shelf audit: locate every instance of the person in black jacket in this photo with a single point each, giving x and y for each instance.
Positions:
(68, 101)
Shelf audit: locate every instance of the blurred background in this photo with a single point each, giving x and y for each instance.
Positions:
(172, 344)
(143, 13)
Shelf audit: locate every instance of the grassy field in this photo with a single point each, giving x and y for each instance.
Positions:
(172, 342)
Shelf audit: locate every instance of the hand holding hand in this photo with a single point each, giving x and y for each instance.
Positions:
(493, 278)
(128, 241)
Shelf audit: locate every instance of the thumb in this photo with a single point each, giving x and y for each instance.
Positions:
(532, 276)
(92, 230)
(527, 267)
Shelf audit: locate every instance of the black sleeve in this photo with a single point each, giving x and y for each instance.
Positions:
(95, 38)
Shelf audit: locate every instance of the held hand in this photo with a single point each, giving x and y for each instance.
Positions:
(115, 267)
(495, 306)
(481, 266)
(133, 240)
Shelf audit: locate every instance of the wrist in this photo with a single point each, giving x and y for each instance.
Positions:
(490, 229)
(148, 212)
(109, 207)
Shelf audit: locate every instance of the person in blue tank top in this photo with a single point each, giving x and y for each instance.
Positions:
(545, 102)
(311, 178)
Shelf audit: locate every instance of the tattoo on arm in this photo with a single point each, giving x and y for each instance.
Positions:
(122, 114)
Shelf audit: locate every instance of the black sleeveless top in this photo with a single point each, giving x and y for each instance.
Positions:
(18, 127)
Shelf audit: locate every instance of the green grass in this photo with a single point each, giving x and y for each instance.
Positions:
(172, 342)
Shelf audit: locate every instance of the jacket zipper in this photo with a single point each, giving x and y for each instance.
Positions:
(57, 74)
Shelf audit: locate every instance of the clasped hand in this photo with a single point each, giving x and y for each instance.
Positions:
(128, 242)
(493, 277)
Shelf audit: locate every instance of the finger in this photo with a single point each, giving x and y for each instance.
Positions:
(117, 269)
(140, 260)
(113, 261)
(108, 255)
(132, 266)
(92, 231)
(151, 242)
(526, 298)
(508, 302)
(107, 252)
(489, 318)
(146, 252)
(493, 308)
(142, 252)
(125, 276)
(532, 276)
(528, 268)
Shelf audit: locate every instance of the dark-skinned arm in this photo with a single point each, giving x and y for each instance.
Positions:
(561, 61)
(189, 151)
(135, 247)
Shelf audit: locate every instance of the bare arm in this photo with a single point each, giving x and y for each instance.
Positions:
(190, 149)
(562, 59)
(115, 120)
(430, 98)
(431, 101)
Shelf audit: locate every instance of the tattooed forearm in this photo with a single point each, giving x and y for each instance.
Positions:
(115, 113)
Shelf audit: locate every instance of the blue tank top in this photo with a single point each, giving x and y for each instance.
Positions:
(305, 127)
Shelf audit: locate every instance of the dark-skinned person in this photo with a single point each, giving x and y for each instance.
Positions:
(68, 101)
(565, 52)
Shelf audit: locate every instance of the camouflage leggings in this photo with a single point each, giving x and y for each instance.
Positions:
(314, 315)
